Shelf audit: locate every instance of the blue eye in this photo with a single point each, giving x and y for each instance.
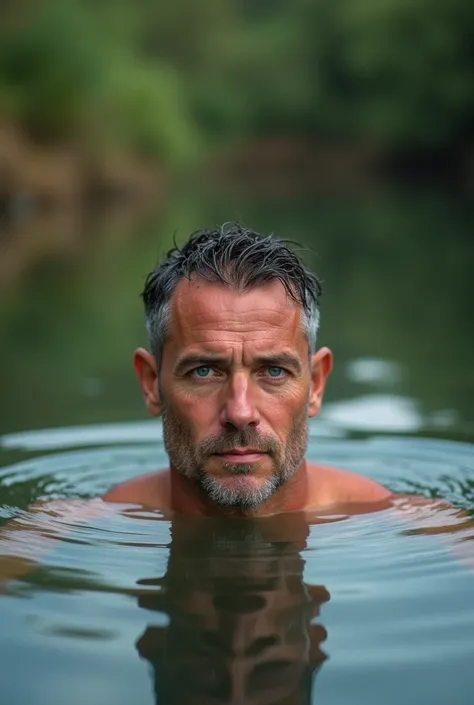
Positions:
(276, 371)
(202, 371)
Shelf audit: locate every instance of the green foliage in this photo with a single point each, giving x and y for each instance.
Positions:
(413, 63)
(50, 68)
(163, 77)
(63, 77)
(145, 110)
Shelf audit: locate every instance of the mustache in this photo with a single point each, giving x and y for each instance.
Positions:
(245, 438)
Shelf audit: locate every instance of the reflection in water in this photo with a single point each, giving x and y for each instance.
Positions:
(240, 616)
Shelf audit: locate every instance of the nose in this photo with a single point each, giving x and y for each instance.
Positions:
(238, 407)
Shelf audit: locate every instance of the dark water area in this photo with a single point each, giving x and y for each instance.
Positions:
(116, 604)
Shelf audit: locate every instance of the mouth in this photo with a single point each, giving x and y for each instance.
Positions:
(241, 455)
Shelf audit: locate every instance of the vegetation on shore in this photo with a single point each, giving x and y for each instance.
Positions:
(167, 80)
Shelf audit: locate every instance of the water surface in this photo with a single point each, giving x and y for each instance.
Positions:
(115, 603)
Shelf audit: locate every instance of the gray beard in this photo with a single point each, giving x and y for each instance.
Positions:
(238, 498)
(188, 460)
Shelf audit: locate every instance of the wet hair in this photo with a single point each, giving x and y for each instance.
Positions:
(238, 258)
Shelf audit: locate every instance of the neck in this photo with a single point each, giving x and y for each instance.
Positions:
(188, 498)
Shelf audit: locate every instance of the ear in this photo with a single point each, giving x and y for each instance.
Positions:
(321, 366)
(144, 364)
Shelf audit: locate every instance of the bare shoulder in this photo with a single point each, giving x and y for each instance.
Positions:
(334, 487)
(150, 490)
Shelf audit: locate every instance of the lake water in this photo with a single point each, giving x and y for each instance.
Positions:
(114, 604)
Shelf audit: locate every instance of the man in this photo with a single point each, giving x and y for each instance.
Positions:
(234, 371)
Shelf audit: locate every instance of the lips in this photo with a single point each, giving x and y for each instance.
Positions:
(240, 451)
(241, 455)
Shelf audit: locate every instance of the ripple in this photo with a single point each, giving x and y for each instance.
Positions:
(113, 453)
(378, 598)
(80, 436)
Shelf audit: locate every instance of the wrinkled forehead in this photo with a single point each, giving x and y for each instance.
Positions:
(203, 311)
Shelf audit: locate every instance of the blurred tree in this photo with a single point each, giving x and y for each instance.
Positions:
(66, 73)
(50, 68)
(161, 77)
(413, 66)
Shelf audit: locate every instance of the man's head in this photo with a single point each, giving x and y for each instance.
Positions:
(232, 319)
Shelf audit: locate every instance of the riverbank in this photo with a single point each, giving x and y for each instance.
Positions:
(38, 177)
(54, 197)
(289, 165)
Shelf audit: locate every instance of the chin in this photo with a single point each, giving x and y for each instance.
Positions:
(241, 490)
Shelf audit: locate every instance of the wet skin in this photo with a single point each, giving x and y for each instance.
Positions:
(236, 362)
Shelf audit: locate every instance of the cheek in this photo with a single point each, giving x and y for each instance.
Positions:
(198, 412)
(280, 413)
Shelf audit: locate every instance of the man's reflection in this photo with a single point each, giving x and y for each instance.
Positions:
(239, 614)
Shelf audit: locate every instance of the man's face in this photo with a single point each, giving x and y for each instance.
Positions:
(236, 389)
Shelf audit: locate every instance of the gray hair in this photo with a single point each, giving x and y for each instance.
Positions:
(237, 258)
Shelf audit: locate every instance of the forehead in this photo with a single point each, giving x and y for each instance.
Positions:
(207, 312)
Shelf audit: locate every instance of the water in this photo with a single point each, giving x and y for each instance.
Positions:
(116, 604)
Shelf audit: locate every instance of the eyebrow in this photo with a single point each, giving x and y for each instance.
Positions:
(277, 360)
